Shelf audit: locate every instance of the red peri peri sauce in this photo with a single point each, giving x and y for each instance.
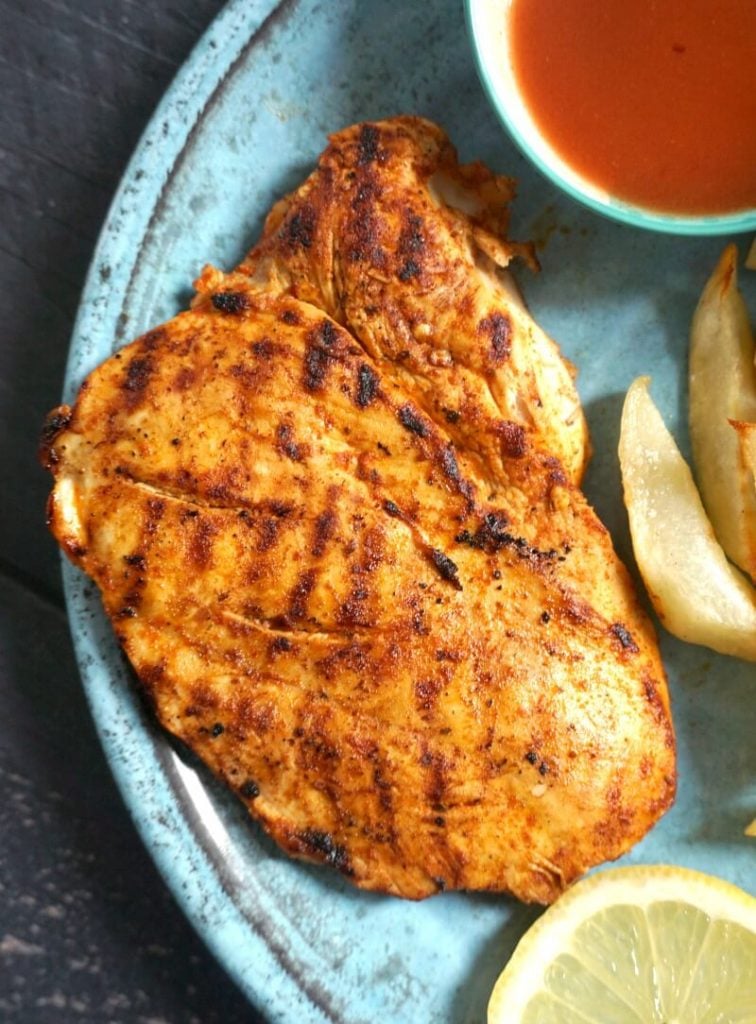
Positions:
(653, 101)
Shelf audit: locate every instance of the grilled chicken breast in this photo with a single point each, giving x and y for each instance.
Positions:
(395, 240)
(411, 652)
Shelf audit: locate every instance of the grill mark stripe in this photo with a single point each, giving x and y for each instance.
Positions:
(410, 419)
(367, 385)
(300, 593)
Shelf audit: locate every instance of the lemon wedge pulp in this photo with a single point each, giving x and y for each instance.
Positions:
(636, 945)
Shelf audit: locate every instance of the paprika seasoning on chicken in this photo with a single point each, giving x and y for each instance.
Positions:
(653, 101)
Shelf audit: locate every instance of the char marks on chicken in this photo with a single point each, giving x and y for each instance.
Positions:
(334, 516)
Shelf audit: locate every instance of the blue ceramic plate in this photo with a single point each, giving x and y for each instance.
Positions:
(242, 124)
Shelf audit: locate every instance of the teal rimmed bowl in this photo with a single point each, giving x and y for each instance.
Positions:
(487, 27)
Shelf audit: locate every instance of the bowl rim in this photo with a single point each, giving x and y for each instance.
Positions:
(476, 12)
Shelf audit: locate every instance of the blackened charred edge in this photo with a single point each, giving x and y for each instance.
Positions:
(354, 611)
(291, 317)
(316, 367)
(368, 150)
(499, 331)
(298, 231)
(392, 509)
(249, 790)
(492, 535)
(324, 527)
(409, 269)
(322, 846)
(268, 535)
(137, 376)
(531, 757)
(411, 246)
(230, 303)
(55, 423)
(367, 385)
(264, 348)
(410, 420)
(364, 227)
(328, 333)
(624, 636)
(286, 444)
(152, 339)
(280, 508)
(445, 567)
(449, 464)
(318, 355)
(281, 645)
(300, 594)
(452, 415)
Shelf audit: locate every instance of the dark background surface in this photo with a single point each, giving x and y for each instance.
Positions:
(88, 931)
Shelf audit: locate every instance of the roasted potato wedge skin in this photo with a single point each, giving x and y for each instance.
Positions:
(722, 384)
(699, 596)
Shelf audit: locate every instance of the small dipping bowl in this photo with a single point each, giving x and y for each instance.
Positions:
(488, 30)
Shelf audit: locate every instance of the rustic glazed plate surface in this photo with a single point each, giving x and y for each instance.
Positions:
(242, 124)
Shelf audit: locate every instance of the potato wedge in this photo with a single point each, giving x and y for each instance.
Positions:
(697, 593)
(722, 382)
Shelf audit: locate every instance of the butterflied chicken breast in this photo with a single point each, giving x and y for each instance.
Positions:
(417, 659)
(396, 240)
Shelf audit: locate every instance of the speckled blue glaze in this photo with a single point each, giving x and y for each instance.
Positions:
(243, 123)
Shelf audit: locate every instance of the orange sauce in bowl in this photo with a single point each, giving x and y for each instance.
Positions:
(653, 101)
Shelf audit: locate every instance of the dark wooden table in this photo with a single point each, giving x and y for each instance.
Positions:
(88, 931)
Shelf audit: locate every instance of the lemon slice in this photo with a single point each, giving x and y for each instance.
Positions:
(638, 945)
